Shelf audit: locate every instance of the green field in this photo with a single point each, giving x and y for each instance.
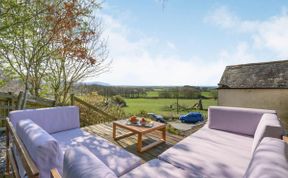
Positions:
(152, 94)
(135, 106)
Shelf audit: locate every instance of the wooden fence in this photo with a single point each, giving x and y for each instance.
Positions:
(7, 104)
(10, 102)
(90, 114)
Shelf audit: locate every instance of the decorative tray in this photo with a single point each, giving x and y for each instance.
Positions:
(138, 124)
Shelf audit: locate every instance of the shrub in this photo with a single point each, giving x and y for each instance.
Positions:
(119, 100)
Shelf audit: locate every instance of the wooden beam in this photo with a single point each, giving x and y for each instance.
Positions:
(19, 100)
(72, 99)
(13, 163)
(6, 95)
(145, 148)
(54, 173)
(124, 135)
(41, 101)
(7, 147)
(26, 160)
(94, 108)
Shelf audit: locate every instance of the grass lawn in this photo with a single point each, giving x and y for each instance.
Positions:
(152, 94)
(206, 94)
(135, 106)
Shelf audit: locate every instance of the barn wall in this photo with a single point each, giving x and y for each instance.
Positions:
(276, 99)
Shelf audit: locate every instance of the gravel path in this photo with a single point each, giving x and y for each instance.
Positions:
(183, 126)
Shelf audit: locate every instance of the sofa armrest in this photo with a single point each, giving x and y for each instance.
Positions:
(269, 159)
(234, 119)
(41, 146)
(269, 126)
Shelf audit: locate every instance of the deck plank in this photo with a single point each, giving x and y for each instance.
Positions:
(104, 130)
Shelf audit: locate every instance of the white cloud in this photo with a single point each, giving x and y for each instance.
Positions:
(171, 45)
(270, 34)
(135, 64)
(223, 17)
(240, 55)
(135, 61)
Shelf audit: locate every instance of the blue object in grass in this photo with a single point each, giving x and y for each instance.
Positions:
(156, 117)
(191, 117)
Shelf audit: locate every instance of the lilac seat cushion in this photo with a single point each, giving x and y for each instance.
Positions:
(211, 153)
(159, 169)
(233, 119)
(115, 158)
(42, 147)
(52, 120)
(79, 162)
(269, 126)
(270, 159)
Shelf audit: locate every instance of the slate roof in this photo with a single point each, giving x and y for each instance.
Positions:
(256, 75)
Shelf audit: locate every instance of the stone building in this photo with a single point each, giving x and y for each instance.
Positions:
(256, 85)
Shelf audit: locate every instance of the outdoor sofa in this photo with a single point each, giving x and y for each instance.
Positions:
(47, 133)
(236, 142)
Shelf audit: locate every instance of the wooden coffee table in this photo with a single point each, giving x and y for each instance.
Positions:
(140, 131)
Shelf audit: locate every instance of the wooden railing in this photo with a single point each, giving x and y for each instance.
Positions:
(90, 114)
(10, 102)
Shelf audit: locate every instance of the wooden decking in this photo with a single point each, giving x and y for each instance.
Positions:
(130, 143)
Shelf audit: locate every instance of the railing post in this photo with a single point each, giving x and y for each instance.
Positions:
(72, 99)
(7, 148)
(20, 96)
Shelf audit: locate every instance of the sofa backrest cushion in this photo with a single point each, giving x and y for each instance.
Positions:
(41, 146)
(234, 119)
(52, 120)
(269, 126)
(79, 162)
(270, 159)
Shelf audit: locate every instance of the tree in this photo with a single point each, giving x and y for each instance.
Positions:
(81, 51)
(24, 41)
(214, 94)
(58, 34)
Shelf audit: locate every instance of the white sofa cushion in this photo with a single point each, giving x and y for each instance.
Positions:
(269, 126)
(270, 159)
(117, 159)
(211, 153)
(159, 169)
(52, 120)
(42, 147)
(234, 119)
(79, 162)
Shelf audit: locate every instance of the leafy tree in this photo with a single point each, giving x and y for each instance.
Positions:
(24, 41)
(51, 42)
(81, 51)
(214, 94)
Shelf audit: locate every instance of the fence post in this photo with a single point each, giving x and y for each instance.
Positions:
(72, 99)
(20, 97)
(7, 148)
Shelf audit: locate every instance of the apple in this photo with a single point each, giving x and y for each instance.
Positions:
(133, 119)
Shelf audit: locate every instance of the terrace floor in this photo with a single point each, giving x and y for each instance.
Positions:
(130, 143)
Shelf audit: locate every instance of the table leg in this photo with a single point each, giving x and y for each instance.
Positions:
(164, 134)
(114, 131)
(139, 142)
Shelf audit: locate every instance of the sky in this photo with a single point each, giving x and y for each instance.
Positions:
(189, 42)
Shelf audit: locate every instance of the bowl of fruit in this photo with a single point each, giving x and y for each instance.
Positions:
(133, 120)
(143, 121)
(146, 122)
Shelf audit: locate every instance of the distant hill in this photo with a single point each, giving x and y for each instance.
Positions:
(95, 83)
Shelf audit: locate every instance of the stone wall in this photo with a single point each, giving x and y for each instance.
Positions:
(276, 99)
